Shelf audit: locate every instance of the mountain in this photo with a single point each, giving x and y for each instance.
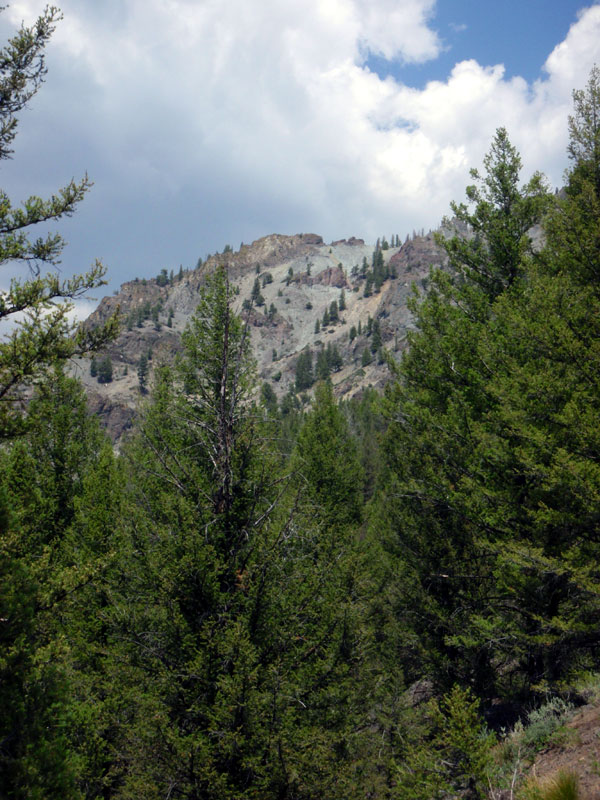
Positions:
(297, 278)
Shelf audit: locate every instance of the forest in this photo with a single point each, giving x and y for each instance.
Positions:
(378, 598)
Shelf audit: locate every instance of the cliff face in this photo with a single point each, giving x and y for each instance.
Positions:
(300, 277)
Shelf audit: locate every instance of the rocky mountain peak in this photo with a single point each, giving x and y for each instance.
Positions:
(347, 299)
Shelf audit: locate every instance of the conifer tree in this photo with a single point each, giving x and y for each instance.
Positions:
(142, 372)
(304, 371)
(238, 622)
(42, 573)
(322, 367)
(501, 220)
(328, 460)
(433, 442)
(542, 476)
(45, 333)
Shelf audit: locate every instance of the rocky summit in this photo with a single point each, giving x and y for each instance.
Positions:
(298, 295)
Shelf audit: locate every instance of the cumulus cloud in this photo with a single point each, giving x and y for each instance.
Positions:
(201, 121)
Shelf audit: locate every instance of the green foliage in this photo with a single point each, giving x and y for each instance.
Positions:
(256, 296)
(268, 398)
(105, 370)
(304, 371)
(237, 618)
(584, 133)
(492, 257)
(322, 368)
(142, 372)
(41, 570)
(162, 279)
(543, 726)
(234, 605)
(334, 357)
(367, 426)
(327, 458)
(454, 758)
(376, 340)
(45, 333)
(460, 502)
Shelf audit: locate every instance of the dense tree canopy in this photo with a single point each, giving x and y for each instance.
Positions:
(491, 480)
(299, 599)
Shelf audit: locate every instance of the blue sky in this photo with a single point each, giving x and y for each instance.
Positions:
(519, 35)
(205, 123)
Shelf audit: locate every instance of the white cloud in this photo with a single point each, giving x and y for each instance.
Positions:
(259, 115)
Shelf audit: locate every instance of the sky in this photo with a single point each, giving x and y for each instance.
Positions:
(211, 122)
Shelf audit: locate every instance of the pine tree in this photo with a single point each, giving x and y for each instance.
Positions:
(328, 461)
(304, 373)
(239, 623)
(142, 372)
(42, 575)
(322, 368)
(501, 221)
(450, 544)
(334, 358)
(268, 398)
(539, 486)
(584, 135)
(376, 340)
(45, 334)
(105, 370)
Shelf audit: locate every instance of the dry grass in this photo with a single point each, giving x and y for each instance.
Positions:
(562, 786)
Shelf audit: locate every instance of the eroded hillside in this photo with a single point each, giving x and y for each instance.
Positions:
(298, 294)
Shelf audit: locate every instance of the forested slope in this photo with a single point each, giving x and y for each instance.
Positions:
(395, 596)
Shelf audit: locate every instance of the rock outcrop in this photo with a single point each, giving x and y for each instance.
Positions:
(300, 277)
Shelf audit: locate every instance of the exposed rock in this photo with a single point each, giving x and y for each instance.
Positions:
(300, 278)
(417, 254)
(352, 241)
(116, 417)
(332, 276)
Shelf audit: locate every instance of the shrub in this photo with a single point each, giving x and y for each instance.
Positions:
(563, 786)
(544, 723)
